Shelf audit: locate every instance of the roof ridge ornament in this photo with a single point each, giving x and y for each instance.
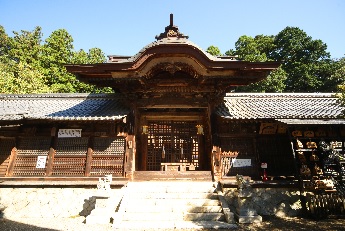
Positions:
(171, 31)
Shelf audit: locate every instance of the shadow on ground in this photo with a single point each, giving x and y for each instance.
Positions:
(275, 223)
(6, 225)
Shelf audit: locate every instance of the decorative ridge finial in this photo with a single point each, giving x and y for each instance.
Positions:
(171, 20)
(171, 31)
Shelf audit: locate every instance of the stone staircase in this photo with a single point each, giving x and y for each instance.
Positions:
(172, 205)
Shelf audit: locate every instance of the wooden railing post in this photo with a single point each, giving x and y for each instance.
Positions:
(11, 163)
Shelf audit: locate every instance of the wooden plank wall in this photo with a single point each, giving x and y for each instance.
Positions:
(77, 156)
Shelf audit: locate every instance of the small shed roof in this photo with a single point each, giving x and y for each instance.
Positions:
(61, 107)
(290, 108)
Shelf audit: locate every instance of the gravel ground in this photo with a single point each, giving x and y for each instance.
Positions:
(269, 223)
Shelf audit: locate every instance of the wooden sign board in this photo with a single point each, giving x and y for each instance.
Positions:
(268, 128)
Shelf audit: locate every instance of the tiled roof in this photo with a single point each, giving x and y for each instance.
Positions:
(61, 107)
(168, 41)
(280, 106)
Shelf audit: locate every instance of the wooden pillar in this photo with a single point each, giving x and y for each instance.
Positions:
(11, 163)
(201, 148)
(89, 156)
(129, 162)
(52, 151)
(143, 158)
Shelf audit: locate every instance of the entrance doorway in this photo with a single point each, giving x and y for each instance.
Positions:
(172, 141)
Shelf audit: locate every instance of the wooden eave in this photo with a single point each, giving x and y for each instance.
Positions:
(139, 66)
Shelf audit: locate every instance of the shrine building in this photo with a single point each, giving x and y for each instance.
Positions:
(172, 110)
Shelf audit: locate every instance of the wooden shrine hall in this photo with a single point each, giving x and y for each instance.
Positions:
(171, 112)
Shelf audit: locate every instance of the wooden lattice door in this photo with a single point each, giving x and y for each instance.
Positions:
(172, 142)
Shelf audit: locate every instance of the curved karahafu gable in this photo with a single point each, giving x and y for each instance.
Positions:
(172, 61)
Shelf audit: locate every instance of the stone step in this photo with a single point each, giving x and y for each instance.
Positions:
(174, 225)
(172, 216)
(171, 203)
(204, 217)
(182, 195)
(173, 187)
(177, 209)
(172, 176)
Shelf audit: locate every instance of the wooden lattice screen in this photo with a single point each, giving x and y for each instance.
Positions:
(6, 145)
(70, 157)
(108, 156)
(246, 151)
(28, 149)
(171, 142)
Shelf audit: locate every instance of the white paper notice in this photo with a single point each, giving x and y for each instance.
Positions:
(41, 161)
(237, 163)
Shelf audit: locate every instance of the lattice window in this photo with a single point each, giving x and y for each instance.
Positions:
(6, 146)
(108, 156)
(109, 146)
(28, 149)
(246, 151)
(72, 146)
(70, 157)
(171, 142)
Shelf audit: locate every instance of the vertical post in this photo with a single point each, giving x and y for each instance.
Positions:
(129, 163)
(13, 157)
(89, 156)
(51, 153)
(171, 19)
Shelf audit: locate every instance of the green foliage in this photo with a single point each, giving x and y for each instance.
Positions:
(259, 49)
(339, 76)
(28, 65)
(306, 65)
(214, 51)
(303, 59)
(20, 78)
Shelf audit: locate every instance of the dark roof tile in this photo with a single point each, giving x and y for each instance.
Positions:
(62, 107)
(280, 105)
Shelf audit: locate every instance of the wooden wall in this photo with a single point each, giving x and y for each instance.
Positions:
(99, 150)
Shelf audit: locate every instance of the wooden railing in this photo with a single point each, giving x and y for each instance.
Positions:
(222, 162)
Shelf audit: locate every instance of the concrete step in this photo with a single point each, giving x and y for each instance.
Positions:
(174, 225)
(172, 176)
(204, 217)
(172, 216)
(171, 187)
(181, 195)
(170, 203)
(177, 208)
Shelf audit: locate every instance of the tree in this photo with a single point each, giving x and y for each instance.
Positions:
(58, 51)
(339, 76)
(306, 65)
(303, 59)
(213, 51)
(259, 49)
(20, 78)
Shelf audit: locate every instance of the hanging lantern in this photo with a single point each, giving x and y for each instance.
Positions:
(200, 129)
(145, 129)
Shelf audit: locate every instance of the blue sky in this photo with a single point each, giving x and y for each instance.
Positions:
(124, 27)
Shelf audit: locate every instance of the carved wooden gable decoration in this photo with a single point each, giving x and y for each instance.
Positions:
(172, 66)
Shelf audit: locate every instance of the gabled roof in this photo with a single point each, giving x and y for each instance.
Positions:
(81, 107)
(290, 108)
(171, 57)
